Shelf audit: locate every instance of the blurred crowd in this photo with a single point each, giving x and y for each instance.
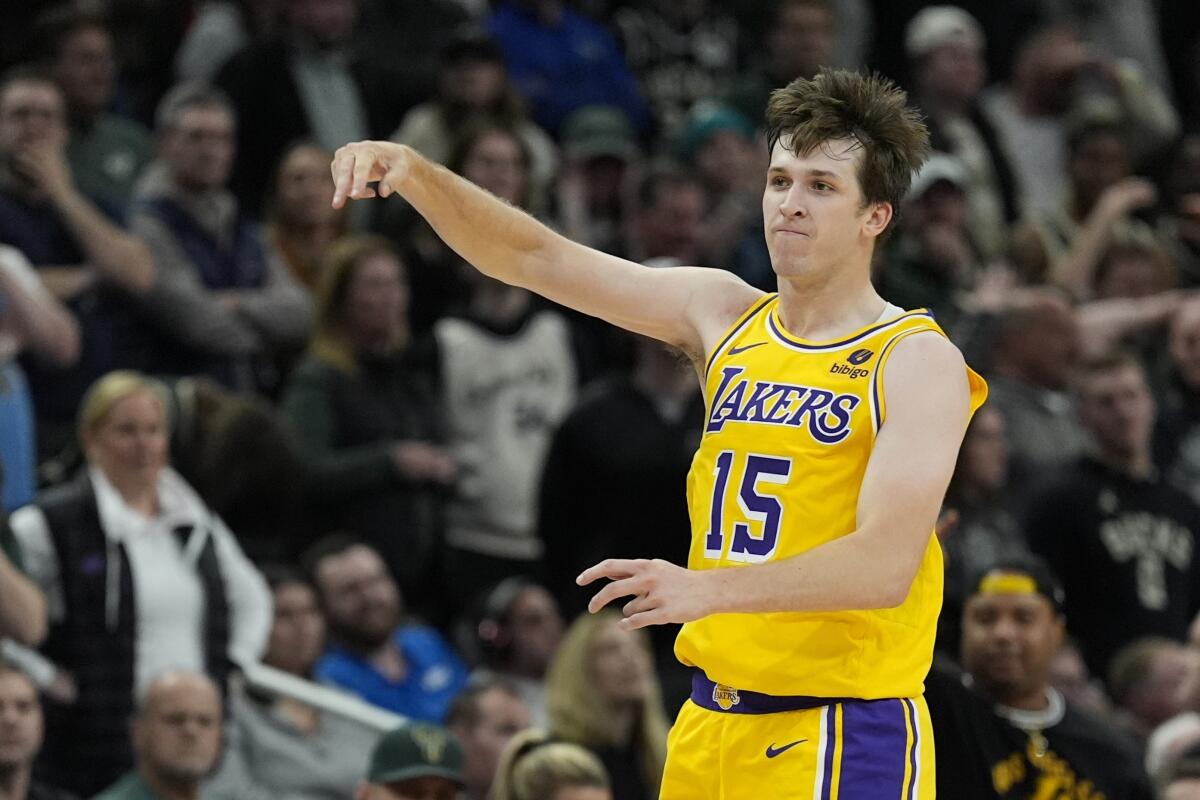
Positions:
(239, 427)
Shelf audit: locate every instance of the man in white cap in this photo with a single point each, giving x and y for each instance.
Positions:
(945, 48)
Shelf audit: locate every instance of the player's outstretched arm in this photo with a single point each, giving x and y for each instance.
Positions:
(686, 306)
(928, 402)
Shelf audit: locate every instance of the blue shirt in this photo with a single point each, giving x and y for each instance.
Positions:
(435, 675)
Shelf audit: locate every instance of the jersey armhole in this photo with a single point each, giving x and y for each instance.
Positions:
(733, 330)
(876, 397)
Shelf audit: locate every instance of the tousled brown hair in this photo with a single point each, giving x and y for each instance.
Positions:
(868, 109)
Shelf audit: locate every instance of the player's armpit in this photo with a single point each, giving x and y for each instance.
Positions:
(927, 397)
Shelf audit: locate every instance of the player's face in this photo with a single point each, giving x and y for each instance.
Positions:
(1118, 410)
(1008, 643)
(813, 211)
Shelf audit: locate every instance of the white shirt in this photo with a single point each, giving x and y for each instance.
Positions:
(169, 598)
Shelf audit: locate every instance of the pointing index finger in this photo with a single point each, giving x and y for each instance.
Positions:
(343, 172)
(609, 568)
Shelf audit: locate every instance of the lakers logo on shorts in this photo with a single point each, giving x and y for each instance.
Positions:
(725, 696)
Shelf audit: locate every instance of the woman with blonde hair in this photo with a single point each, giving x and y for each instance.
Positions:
(141, 577)
(363, 407)
(602, 694)
(536, 767)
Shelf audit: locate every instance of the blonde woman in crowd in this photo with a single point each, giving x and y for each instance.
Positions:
(536, 767)
(602, 694)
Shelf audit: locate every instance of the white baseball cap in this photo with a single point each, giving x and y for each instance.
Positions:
(939, 25)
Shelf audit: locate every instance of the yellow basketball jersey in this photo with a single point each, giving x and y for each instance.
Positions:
(790, 427)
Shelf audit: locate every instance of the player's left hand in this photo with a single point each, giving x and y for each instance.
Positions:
(662, 592)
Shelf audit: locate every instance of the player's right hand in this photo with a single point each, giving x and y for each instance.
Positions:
(358, 164)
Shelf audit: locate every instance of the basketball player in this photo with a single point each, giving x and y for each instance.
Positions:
(814, 579)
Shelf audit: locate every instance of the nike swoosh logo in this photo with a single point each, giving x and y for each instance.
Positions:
(733, 351)
(773, 751)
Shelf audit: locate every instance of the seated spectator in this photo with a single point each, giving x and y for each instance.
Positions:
(404, 667)
(1146, 678)
(720, 146)
(800, 39)
(301, 224)
(176, 733)
(987, 531)
(945, 49)
(561, 61)
(485, 718)
(537, 767)
(97, 270)
(1053, 74)
(305, 82)
(1110, 521)
(22, 604)
(1066, 245)
(1035, 350)
(658, 407)
(417, 761)
(681, 53)
(931, 259)
(220, 29)
(1177, 440)
(600, 151)
(1014, 735)
(287, 748)
(30, 320)
(668, 218)
(140, 577)
(1070, 675)
(363, 407)
(21, 734)
(473, 84)
(224, 299)
(602, 695)
(518, 634)
(106, 152)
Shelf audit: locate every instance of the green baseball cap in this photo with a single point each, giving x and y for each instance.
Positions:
(416, 750)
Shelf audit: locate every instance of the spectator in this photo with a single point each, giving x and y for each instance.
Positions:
(1110, 521)
(518, 634)
(1179, 225)
(1146, 677)
(473, 85)
(98, 270)
(537, 767)
(1051, 75)
(301, 222)
(176, 732)
(219, 30)
(509, 370)
(932, 260)
(286, 747)
(600, 153)
(414, 762)
(30, 319)
(223, 297)
(485, 718)
(800, 38)
(1066, 245)
(139, 575)
(987, 531)
(561, 61)
(1178, 433)
(106, 153)
(1018, 736)
(602, 695)
(720, 145)
(363, 407)
(668, 218)
(944, 45)
(1070, 675)
(21, 733)
(307, 82)
(630, 506)
(404, 667)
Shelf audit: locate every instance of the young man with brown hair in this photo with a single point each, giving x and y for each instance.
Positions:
(834, 420)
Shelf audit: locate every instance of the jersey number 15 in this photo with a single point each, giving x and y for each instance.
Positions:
(764, 509)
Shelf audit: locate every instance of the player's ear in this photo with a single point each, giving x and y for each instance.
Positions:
(877, 219)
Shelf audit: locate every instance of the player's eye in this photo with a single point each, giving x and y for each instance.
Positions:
(821, 186)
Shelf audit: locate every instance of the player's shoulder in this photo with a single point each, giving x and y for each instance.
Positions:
(925, 348)
(722, 298)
